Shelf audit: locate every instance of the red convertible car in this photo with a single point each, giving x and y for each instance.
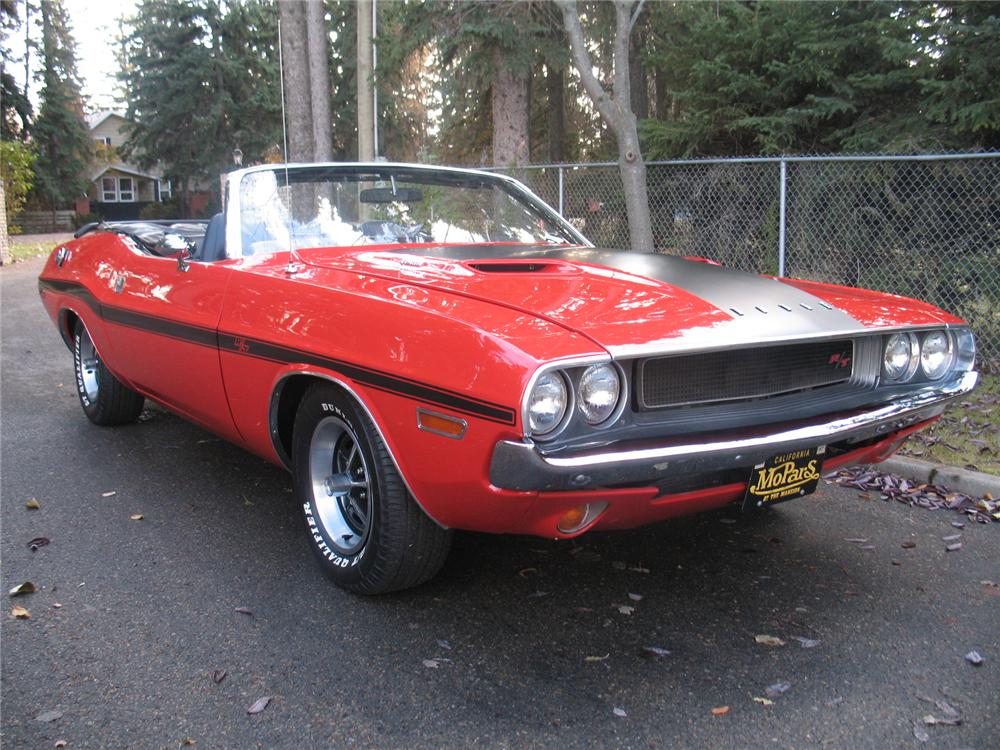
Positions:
(430, 349)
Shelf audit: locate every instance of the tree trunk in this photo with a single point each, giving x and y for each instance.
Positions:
(319, 81)
(292, 15)
(617, 112)
(4, 248)
(557, 115)
(662, 104)
(366, 84)
(510, 115)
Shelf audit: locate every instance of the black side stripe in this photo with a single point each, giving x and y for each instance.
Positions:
(161, 326)
(374, 378)
(258, 349)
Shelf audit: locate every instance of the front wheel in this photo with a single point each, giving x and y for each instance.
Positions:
(105, 400)
(367, 531)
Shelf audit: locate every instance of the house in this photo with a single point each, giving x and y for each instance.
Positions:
(119, 190)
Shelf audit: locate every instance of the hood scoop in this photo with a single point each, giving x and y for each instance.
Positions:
(519, 267)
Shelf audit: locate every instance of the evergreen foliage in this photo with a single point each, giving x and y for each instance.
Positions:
(60, 135)
(963, 88)
(201, 80)
(15, 109)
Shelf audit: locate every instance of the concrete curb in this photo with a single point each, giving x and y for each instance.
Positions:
(972, 483)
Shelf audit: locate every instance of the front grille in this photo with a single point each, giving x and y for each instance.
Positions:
(742, 374)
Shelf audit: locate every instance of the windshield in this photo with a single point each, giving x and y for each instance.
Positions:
(305, 207)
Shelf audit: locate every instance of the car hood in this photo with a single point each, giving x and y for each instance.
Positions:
(630, 302)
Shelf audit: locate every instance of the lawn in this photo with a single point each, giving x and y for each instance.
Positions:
(21, 250)
(967, 435)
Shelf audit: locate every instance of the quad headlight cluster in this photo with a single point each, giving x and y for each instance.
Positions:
(593, 393)
(927, 355)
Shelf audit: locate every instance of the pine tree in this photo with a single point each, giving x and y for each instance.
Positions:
(200, 81)
(962, 86)
(60, 134)
(15, 109)
(771, 77)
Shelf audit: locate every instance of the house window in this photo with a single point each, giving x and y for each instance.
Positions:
(126, 189)
(109, 190)
(104, 140)
(165, 190)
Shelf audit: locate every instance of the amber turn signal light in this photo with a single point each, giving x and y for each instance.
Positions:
(580, 516)
(441, 424)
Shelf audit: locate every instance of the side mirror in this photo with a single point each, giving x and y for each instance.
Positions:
(176, 246)
(183, 258)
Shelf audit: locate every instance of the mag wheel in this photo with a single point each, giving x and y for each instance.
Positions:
(105, 400)
(368, 533)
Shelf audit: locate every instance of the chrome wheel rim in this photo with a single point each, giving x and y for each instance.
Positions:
(341, 485)
(87, 366)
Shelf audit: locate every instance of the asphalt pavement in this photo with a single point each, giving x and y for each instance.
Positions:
(518, 643)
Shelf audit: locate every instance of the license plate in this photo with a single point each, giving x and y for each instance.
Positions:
(784, 476)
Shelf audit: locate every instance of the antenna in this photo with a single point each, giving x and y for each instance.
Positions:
(291, 267)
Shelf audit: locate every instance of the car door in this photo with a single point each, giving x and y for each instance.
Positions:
(165, 317)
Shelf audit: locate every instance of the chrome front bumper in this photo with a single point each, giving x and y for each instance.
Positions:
(520, 465)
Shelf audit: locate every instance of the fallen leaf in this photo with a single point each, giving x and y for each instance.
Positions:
(60, 743)
(973, 657)
(763, 701)
(868, 547)
(38, 541)
(596, 658)
(953, 547)
(619, 712)
(855, 540)
(920, 733)
(951, 537)
(720, 710)
(444, 644)
(25, 588)
(259, 705)
(432, 663)
(908, 544)
(218, 676)
(136, 516)
(635, 597)
(48, 716)
(768, 640)
(187, 742)
(639, 569)
(618, 565)
(56, 605)
(109, 494)
(537, 594)
(525, 572)
(947, 708)
(654, 652)
(245, 611)
(778, 688)
(624, 608)
(931, 720)
(32, 504)
(20, 613)
(807, 642)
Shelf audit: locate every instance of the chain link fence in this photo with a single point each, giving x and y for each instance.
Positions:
(922, 226)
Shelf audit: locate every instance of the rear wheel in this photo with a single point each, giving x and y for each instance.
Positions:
(367, 531)
(105, 400)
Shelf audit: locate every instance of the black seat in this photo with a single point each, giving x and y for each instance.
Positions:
(213, 247)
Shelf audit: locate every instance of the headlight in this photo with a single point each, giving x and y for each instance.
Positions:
(901, 356)
(598, 393)
(547, 403)
(936, 354)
